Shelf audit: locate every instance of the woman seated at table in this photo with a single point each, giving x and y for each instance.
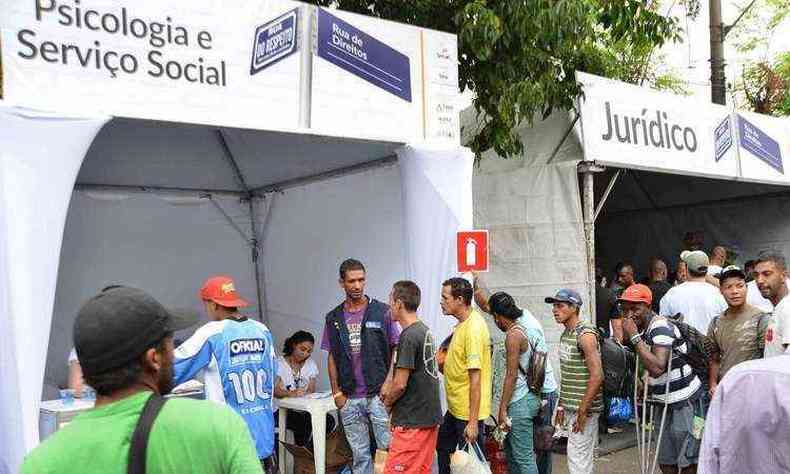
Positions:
(296, 377)
(76, 381)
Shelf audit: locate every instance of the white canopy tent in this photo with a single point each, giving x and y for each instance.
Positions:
(575, 200)
(185, 181)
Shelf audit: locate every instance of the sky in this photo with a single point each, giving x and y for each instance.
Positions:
(689, 59)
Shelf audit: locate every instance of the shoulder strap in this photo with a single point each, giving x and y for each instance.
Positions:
(523, 332)
(139, 445)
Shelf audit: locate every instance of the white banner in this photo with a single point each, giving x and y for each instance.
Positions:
(634, 127)
(234, 64)
(164, 60)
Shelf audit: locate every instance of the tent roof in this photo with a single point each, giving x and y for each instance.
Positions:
(141, 153)
(643, 190)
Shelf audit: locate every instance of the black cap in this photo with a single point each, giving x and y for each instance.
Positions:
(117, 326)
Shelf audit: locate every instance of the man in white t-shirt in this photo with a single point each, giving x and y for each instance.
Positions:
(770, 273)
(698, 301)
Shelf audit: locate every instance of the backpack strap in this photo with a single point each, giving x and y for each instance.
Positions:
(139, 444)
(523, 331)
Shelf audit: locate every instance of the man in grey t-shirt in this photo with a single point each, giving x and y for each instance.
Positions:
(412, 391)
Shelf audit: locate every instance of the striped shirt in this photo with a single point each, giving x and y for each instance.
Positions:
(683, 383)
(574, 372)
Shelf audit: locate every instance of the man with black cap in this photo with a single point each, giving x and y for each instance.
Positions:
(237, 357)
(124, 340)
(581, 379)
(737, 335)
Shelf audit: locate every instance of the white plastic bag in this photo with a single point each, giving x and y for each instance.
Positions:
(469, 461)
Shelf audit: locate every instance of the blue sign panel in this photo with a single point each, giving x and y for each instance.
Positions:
(353, 50)
(761, 145)
(274, 41)
(723, 141)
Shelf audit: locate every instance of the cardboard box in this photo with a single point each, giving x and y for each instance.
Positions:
(338, 454)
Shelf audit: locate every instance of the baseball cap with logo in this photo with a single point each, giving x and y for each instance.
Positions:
(222, 290)
(730, 272)
(565, 295)
(697, 260)
(638, 293)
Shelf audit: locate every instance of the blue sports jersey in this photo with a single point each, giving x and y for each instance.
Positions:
(238, 360)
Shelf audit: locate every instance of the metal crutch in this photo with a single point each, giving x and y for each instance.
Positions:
(664, 414)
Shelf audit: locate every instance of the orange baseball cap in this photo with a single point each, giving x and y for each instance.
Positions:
(222, 290)
(637, 294)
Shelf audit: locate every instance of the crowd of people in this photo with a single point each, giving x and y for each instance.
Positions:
(385, 370)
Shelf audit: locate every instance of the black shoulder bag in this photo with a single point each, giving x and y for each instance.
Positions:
(139, 444)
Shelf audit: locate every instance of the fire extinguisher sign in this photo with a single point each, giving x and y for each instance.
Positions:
(472, 251)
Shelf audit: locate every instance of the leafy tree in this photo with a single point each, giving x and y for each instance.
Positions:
(519, 56)
(764, 85)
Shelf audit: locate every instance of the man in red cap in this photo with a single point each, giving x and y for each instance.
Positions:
(658, 342)
(237, 357)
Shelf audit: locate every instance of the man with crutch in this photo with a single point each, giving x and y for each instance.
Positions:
(674, 391)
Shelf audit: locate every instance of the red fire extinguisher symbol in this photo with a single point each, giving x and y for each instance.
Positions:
(472, 251)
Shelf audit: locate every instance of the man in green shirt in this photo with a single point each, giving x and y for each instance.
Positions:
(124, 341)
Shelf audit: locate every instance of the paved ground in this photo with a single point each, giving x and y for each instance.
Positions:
(620, 462)
(617, 454)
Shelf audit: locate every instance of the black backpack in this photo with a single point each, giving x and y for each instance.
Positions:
(698, 347)
(618, 364)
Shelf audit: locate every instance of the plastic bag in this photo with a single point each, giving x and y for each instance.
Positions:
(620, 411)
(469, 461)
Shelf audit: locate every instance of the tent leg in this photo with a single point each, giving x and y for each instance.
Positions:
(255, 254)
(588, 171)
(253, 221)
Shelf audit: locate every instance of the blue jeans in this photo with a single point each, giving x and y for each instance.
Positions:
(544, 457)
(356, 415)
(519, 447)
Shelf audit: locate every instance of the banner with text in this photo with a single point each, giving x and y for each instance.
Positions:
(633, 127)
(235, 64)
(228, 63)
(764, 143)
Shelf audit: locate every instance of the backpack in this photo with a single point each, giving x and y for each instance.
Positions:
(698, 347)
(617, 362)
(536, 372)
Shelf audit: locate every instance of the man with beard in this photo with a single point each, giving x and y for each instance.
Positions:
(124, 341)
(771, 276)
(237, 358)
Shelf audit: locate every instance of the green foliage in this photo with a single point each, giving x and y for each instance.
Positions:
(764, 86)
(519, 56)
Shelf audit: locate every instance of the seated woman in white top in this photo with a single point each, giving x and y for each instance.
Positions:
(296, 377)
(76, 382)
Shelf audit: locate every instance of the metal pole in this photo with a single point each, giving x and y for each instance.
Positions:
(307, 17)
(718, 87)
(589, 235)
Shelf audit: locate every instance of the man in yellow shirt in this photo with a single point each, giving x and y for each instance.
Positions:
(467, 373)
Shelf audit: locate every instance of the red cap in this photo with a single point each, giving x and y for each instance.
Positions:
(637, 294)
(222, 290)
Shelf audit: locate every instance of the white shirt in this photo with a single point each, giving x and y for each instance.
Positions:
(777, 334)
(699, 302)
(714, 270)
(301, 380)
(756, 299)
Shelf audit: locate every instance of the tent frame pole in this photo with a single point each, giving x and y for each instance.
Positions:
(588, 171)
(606, 194)
(250, 198)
